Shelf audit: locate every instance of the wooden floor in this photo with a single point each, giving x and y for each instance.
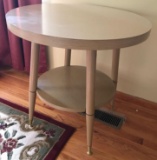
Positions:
(136, 140)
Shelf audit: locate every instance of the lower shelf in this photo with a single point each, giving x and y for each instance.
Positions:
(64, 88)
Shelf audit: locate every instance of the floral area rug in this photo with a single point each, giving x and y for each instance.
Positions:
(18, 141)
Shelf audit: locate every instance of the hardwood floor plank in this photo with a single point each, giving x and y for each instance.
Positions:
(136, 140)
(135, 100)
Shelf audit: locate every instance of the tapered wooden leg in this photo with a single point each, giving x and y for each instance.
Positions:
(67, 57)
(115, 67)
(33, 79)
(90, 100)
(48, 58)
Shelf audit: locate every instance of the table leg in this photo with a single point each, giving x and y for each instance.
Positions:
(90, 98)
(67, 57)
(48, 58)
(33, 79)
(115, 67)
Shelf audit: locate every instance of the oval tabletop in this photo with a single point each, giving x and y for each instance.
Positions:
(78, 26)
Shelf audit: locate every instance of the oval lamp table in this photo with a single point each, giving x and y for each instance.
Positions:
(76, 26)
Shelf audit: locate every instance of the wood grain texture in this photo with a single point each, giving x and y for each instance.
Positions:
(136, 140)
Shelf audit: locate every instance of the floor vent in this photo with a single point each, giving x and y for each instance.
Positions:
(109, 118)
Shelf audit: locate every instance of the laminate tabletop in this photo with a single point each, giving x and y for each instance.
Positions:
(78, 26)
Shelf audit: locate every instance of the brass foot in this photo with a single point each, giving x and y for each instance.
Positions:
(89, 151)
(30, 123)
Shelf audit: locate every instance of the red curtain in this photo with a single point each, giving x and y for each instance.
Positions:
(15, 51)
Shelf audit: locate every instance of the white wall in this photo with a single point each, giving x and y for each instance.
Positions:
(138, 64)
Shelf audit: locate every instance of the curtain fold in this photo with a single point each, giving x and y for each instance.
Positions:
(15, 51)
